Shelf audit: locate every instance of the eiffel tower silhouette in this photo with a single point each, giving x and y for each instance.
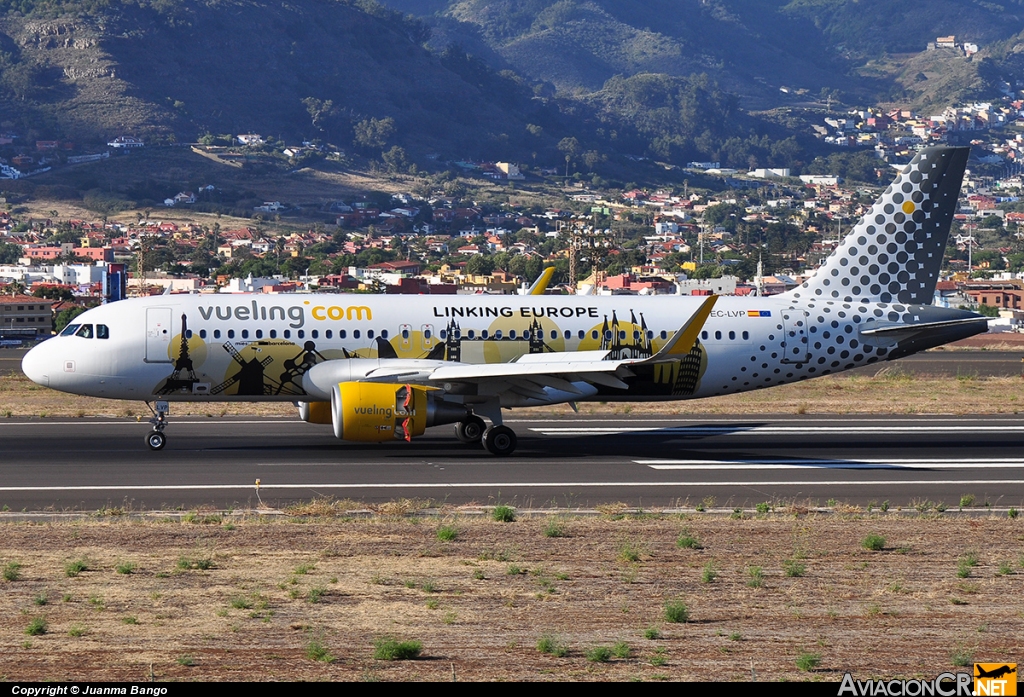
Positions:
(182, 363)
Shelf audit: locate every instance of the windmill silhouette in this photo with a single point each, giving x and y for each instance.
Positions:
(250, 377)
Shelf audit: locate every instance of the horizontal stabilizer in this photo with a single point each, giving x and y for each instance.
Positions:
(897, 330)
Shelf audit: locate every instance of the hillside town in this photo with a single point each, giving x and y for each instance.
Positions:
(756, 232)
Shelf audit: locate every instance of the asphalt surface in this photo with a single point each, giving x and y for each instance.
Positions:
(977, 363)
(86, 464)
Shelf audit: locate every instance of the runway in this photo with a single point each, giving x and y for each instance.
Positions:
(85, 464)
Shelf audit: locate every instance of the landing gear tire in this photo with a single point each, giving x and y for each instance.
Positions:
(156, 440)
(471, 430)
(500, 440)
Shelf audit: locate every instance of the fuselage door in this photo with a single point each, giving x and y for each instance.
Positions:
(158, 334)
(795, 348)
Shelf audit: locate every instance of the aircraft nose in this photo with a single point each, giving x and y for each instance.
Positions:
(36, 365)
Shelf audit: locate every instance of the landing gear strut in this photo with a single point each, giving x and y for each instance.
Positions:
(156, 440)
(471, 430)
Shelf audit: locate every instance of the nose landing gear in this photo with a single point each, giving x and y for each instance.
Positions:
(156, 440)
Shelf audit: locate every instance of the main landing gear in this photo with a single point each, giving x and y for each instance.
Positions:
(498, 440)
(156, 440)
(471, 430)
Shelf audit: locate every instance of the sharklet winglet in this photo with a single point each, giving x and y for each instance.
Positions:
(683, 340)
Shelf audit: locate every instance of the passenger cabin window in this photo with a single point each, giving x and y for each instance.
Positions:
(102, 332)
(231, 333)
(273, 333)
(85, 332)
(384, 334)
(259, 333)
(245, 333)
(216, 333)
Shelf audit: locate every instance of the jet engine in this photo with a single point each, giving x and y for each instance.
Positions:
(315, 412)
(376, 412)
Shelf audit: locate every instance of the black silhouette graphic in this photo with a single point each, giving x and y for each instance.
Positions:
(996, 673)
(295, 368)
(621, 344)
(183, 362)
(250, 377)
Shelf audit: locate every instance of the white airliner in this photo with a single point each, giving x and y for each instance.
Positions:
(382, 368)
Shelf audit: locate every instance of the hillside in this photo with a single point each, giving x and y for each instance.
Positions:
(750, 47)
(175, 70)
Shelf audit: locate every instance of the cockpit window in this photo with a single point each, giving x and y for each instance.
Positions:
(85, 331)
(102, 332)
(70, 329)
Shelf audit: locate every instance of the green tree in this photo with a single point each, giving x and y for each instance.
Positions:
(373, 134)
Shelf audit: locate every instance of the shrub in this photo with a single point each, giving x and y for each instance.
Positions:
(389, 649)
(1012, 513)
(447, 533)
(793, 568)
(12, 571)
(756, 575)
(708, 575)
(73, 568)
(504, 514)
(630, 551)
(37, 627)
(652, 633)
(76, 630)
(676, 611)
(961, 657)
(599, 654)
(550, 645)
(126, 567)
(554, 529)
(687, 541)
(808, 661)
(316, 650)
(873, 542)
(763, 508)
(621, 650)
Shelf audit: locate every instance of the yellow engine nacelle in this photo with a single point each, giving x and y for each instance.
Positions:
(315, 412)
(374, 412)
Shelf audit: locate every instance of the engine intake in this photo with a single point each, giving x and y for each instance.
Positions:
(373, 412)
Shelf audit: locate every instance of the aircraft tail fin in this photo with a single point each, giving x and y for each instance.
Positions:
(893, 255)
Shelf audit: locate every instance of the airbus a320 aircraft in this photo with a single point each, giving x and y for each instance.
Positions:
(382, 368)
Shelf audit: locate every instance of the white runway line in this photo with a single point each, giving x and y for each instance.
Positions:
(838, 463)
(509, 485)
(741, 430)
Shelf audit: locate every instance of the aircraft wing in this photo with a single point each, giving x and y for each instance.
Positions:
(563, 371)
(546, 377)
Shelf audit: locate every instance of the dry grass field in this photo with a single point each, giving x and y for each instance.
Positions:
(783, 595)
